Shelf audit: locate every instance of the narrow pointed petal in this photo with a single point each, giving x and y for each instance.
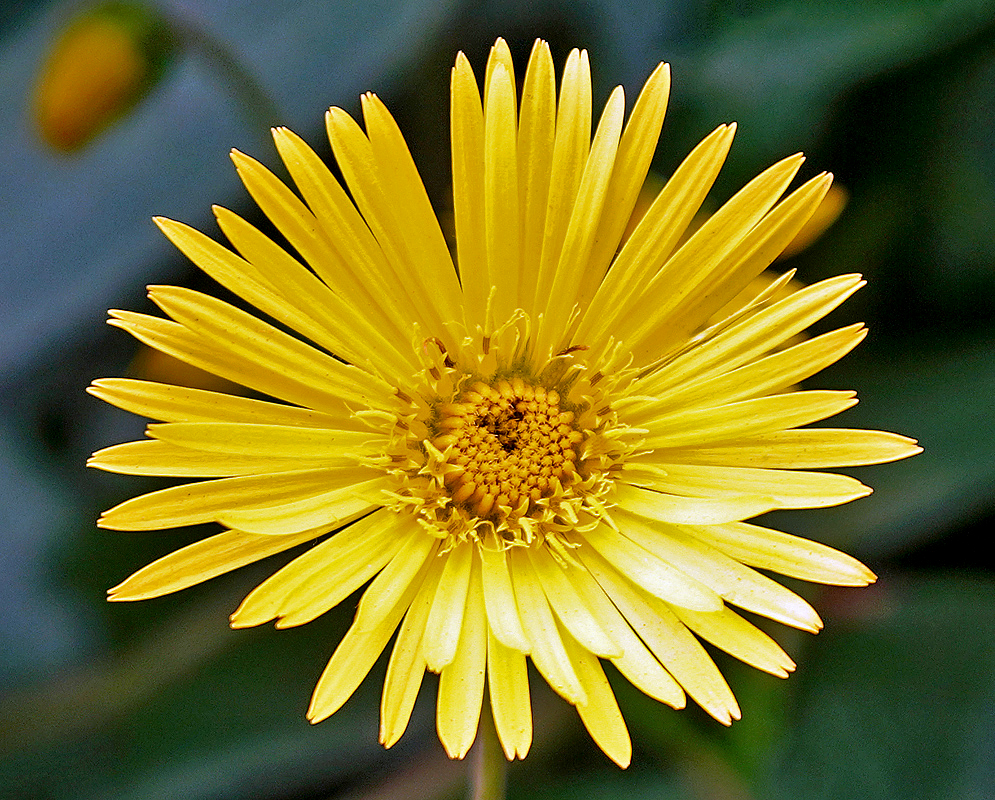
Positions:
(461, 685)
(508, 687)
(442, 630)
(540, 627)
(668, 639)
(599, 712)
(202, 561)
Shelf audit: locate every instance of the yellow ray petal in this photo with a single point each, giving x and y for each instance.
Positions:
(759, 415)
(503, 614)
(758, 333)
(771, 374)
(786, 488)
(734, 582)
(652, 310)
(265, 375)
(406, 667)
(599, 712)
(360, 272)
(442, 630)
(152, 457)
(326, 574)
(812, 447)
(536, 133)
(635, 662)
(308, 306)
(461, 684)
(202, 561)
(501, 214)
(179, 404)
(508, 686)
(582, 229)
(365, 640)
(571, 606)
(669, 640)
(247, 337)
(540, 628)
(467, 133)
(635, 153)
(672, 508)
(656, 235)
(275, 441)
(730, 632)
(338, 506)
(789, 555)
(570, 148)
(194, 503)
(717, 282)
(650, 573)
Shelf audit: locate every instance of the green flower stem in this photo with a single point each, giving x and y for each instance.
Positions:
(488, 766)
(229, 70)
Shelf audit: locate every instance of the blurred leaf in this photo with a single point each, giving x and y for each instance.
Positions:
(898, 704)
(778, 68)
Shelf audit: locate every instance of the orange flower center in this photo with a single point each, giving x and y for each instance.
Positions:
(507, 446)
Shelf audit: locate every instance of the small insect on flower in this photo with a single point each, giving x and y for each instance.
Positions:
(548, 453)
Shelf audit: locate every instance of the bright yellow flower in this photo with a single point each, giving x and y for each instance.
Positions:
(548, 454)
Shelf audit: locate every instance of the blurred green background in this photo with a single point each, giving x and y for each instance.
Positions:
(895, 699)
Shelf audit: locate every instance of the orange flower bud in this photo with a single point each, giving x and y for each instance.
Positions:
(106, 60)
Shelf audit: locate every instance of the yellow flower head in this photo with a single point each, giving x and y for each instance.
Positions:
(547, 451)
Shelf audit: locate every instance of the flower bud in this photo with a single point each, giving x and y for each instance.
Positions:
(104, 62)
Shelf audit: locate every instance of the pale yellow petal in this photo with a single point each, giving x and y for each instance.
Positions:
(696, 426)
(570, 148)
(599, 711)
(366, 639)
(632, 162)
(540, 628)
(735, 583)
(789, 555)
(359, 271)
(730, 632)
(232, 330)
(757, 334)
(508, 687)
(326, 574)
(635, 662)
(571, 606)
(406, 667)
(717, 283)
(811, 448)
(771, 374)
(582, 230)
(170, 403)
(536, 132)
(653, 575)
(786, 488)
(648, 315)
(656, 235)
(153, 457)
(202, 561)
(467, 134)
(442, 630)
(669, 640)
(203, 501)
(501, 214)
(334, 507)
(265, 374)
(499, 597)
(690, 510)
(461, 684)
